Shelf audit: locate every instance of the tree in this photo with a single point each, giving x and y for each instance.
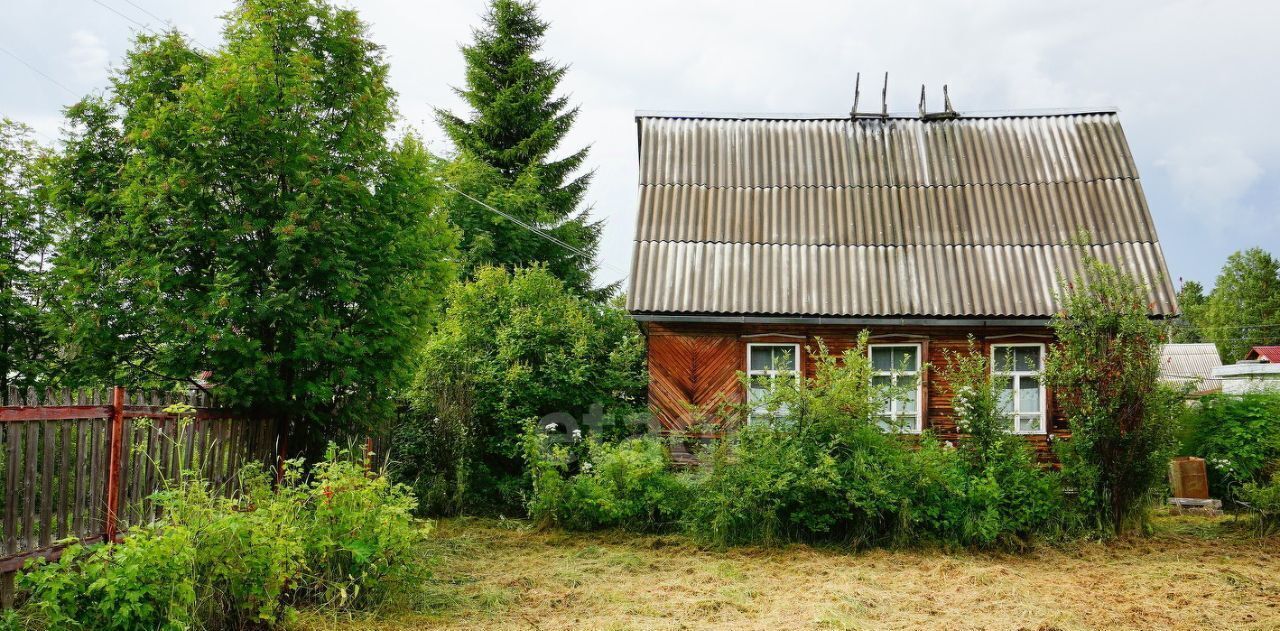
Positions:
(243, 213)
(1187, 328)
(503, 156)
(512, 346)
(1105, 373)
(1243, 309)
(26, 237)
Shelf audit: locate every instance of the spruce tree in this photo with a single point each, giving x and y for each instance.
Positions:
(504, 152)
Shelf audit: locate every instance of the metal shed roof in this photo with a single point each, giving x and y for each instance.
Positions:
(1190, 364)
(897, 216)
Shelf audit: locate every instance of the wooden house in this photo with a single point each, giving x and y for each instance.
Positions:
(758, 234)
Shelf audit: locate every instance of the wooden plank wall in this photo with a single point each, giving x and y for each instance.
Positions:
(694, 366)
(55, 462)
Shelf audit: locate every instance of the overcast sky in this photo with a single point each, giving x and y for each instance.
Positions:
(1197, 84)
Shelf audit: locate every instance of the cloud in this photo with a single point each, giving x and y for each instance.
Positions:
(88, 58)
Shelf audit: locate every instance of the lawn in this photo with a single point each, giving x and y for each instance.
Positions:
(1192, 573)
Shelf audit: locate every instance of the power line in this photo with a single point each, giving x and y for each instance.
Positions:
(40, 72)
(147, 27)
(531, 228)
(169, 22)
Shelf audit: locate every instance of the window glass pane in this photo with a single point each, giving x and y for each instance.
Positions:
(891, 424)
(895, 358)
(1005, 395)
(910, 397)
(1028, 358)
(882, 358)
(1028, 394)
(1029, 423)
(767, 358)
(904, 358)
(1004, 359)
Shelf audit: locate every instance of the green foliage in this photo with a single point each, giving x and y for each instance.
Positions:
(1238, 436)
(591, 483)
(1187, 328)
(1105, 374)
(512, 346)
(1243, 310)
(144, 583)
(1263, 499)
(1009, 498)
(822, 469)
(26, 233)
(341, 539)
(242, 212)
(504, 155)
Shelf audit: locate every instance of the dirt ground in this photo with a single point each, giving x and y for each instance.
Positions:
(1192, 573)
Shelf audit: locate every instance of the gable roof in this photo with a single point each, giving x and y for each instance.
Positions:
(1269, 353)
(1190, 364)
(876, 217)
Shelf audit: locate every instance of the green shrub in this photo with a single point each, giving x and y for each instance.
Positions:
(340, 538)
(1237, 435)
(147, 582)
(822, 469)
(1105, 373)
(1009, 499)
(592, 483)
(359, 537)
(1263, 499)
(512, 345)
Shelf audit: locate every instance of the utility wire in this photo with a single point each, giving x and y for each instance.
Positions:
(39, 72)
(147, 27)
(531, 228)
(169, 22)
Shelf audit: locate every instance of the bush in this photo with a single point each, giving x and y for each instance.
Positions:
(822, 469)
(1263, 499)
(147, 582)
(1105, 374)
(591, 483)
(511, 346)
(1238, 436)
(341, 539)
(1009, 499)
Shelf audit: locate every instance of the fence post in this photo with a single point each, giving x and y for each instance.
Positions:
(114, 453)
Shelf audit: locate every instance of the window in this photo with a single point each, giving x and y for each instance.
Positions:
(898, 365)
(1017, 369)
(765, 362)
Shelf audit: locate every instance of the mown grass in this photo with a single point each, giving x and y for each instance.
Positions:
(1191, 573)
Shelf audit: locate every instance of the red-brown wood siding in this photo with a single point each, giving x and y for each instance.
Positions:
(696, 366)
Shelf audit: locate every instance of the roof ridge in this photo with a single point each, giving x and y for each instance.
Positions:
(780, 116)
(1130, 178)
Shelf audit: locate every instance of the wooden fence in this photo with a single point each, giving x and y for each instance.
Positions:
(85, 464)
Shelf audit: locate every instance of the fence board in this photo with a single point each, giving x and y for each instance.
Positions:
(56, 460)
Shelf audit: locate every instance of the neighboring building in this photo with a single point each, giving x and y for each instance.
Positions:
(1250, 375)
(1191, 366)
(1270, 354)
(757, 235)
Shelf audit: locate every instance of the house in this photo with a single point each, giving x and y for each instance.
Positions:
(1270, 354)
(1190, 366)
(759, 234)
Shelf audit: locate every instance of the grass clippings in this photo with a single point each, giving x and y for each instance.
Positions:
(1191, 573)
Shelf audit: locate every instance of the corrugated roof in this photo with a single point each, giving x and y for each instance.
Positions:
(883, 217)
(1190, 363)
(1269, 353)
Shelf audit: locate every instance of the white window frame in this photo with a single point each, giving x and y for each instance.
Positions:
(752, 416)
(1016, 378)
(918, 426)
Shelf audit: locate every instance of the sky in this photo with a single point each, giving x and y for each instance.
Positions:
(1194, 81)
